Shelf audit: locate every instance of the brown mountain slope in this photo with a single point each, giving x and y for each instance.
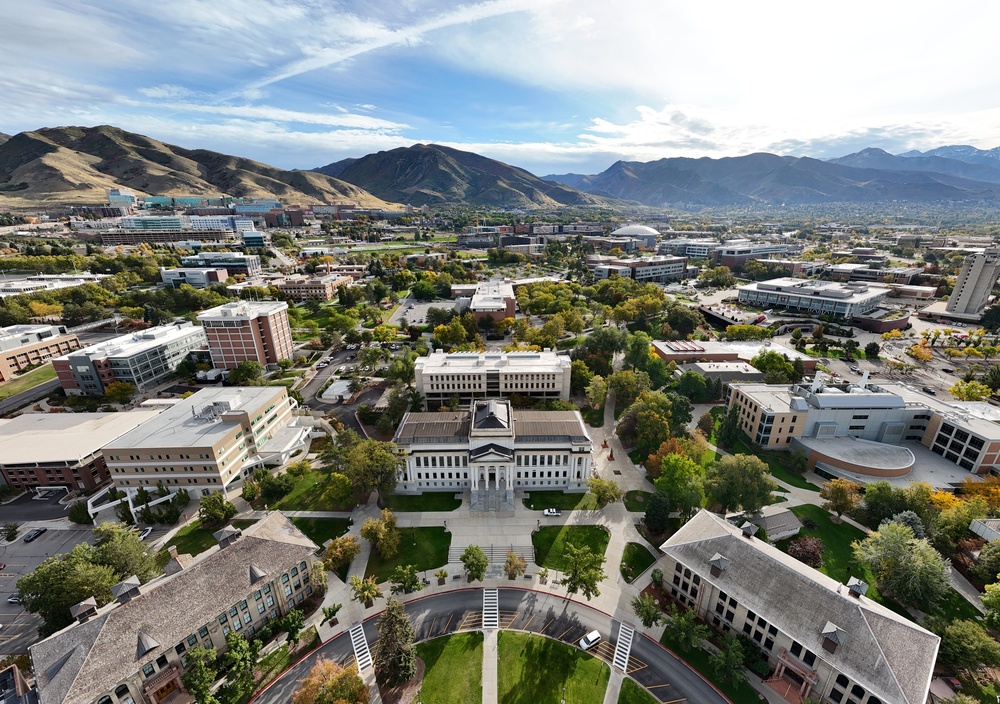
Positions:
(77, 164)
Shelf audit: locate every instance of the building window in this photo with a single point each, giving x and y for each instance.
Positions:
(147, 670)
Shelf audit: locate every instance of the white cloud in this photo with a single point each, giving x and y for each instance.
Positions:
(277, 115)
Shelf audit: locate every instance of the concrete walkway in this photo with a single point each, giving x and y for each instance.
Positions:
(614, 687)
(490, 687)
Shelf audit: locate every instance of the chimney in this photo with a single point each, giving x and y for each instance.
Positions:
(84, 610)
(856, 588)
(833, 636)
(126, 589)
(718, 564)
(749, 530)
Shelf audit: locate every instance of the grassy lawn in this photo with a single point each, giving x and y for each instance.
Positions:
(192, 539)
(454, 669)
(632, 693)
(565, 501)
(536, 669)
(638, 557)
(307, 495)
(699, 660)
(431, 501)
(594, 417)
(776, 465)
(319, 530)
(637, 500)
(425, 548)
(550, 543)
(27, 381)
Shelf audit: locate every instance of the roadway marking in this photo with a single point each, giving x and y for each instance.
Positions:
(360, 644)
(490, 617)
(657, 686)
(450, 617)
(623, 647)
(545, 626)
(525, 627)
(571, 628)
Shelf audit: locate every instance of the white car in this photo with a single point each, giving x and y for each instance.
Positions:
(145, 533)
(590, 640)
(551, 512)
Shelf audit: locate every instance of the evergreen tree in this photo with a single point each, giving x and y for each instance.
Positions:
(394, 657)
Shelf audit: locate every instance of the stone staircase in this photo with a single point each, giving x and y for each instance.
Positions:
(492, 501)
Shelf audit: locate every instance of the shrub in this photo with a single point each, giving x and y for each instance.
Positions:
(78, 513)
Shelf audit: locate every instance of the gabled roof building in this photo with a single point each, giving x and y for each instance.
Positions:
(824, 640)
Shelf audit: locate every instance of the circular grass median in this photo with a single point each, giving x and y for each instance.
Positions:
(534, 669)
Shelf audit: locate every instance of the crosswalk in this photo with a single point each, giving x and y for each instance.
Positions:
(491, 601)
(360, 644)
(623, 647)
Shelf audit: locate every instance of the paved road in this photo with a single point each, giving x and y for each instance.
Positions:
(668, 678)
(27, 508)
(25, 397)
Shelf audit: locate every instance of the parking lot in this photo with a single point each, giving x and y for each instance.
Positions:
(19, 628)
(417, 315)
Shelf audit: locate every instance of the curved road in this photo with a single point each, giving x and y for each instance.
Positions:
(667, 678)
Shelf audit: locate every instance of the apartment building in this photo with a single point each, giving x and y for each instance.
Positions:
(316, 288)
(207, 442)
(133, 648)
(491, 446)
(23, 346)
(61, 449)
(142, 359)
(974, 284)
(816, 297)
(442, 377)
(256, 331)
(198, 278)
(656, 269)
(824, 640)
(233, 262)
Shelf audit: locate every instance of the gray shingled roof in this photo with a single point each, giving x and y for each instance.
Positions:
(888, 655)
(82, 661)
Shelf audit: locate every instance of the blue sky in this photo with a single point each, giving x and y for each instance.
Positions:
(548, 85)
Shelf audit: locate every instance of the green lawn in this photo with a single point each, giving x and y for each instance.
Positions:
(594, 417)
(28, 380)
(698, 659)
(192, 539)
(638, 557)
(319, 530)
(637, 500)
(776, 464)
(431, 501)
(562, 500)
(536, 669)
(424, 548)
(306, 495)
(632, 693)
(550, 543)
(454, 669)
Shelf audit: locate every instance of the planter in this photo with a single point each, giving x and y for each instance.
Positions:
(334, 621)
(368, 603)
(441, 581)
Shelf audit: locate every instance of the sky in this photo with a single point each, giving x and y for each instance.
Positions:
(552, 86)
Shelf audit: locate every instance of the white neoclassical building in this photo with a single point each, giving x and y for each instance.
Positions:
(493, 448)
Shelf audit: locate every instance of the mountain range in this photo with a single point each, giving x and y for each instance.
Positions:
(77, 164)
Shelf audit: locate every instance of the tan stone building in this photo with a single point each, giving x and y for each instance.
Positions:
(317, 288)
(255, 331)
(132, 650)
(22, 346)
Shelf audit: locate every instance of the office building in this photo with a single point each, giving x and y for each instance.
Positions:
(24, 346)
(256, 331)
(701, 248)
(736, 253)
(816, 297)
(210, 441)
(493, 447)
(973, 286)
(142, 359)
(233, 262)
(493, 299)
(824, 640)
(61, 449)
(198, 278)
(315, 288)
(132, 649)
(656, 269)
(46, 282)
(443, 377)
(684, 351)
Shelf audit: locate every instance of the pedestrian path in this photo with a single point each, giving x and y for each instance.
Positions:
(491, 613)
(623, 646)
(490, 686)
(362, 655)
(614, 689)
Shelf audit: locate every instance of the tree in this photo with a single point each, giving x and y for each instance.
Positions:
(215, 511)
(341, 552)
(921, 353)
(739, 482)
(706, 423)
(79, 514)
(729, 428)
(475, 562)
(909, 569)
(330, 683)
(247, 373)
(382, 533)
(991, 600)
(405, 579)
(584, 570)
(200, 674)
(729, 659)
(681, 481)
(605, 491)
(365, 590)
(684, 629)
(807, 550)
(373, 465)
(394, 657)
(840, 495)
(657, 513)
(776, 367)
(515, 565)
(118, 546)
(119, 392)
(647, 609)
(908, 518)
(970, 391)
(637, 350)
(965, 644)
(747, 332)
(693, 385)
(626, 386)
(292, 624)
(872, 350)
(987, 567)
(597, 391)
(239, 661)
(580, 377)
(424, 291)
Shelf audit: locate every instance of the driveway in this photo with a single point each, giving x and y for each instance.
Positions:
(525, 611)
(26, 508)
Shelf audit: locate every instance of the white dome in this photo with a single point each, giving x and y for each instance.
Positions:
(635, 230)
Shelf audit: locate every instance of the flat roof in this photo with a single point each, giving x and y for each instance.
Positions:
(135, 342)
(863, 453)
(743, 350)
(463, 362)
(243, 309)
(60, 437)
(192, 422)
(927, 467)
(820, 290)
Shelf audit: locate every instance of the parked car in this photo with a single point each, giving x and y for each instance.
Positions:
(145, 532)
(948, 370)
(14, 599)
(551, 512)
(340, 369)
(928, 390)
(34, 534)
(590, 640)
